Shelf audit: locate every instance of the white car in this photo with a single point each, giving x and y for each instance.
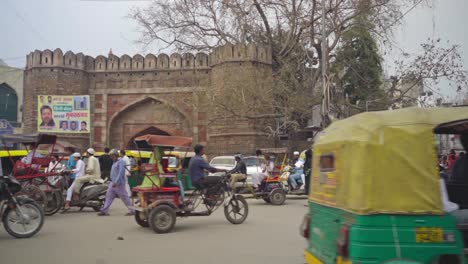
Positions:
(223, 163)
(253, 164)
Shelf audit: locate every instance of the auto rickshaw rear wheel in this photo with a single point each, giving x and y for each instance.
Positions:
(141, 219)
(162, 219)
(277, 196)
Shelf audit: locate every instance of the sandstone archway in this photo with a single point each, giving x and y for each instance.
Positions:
(146, 115)
(150, 130)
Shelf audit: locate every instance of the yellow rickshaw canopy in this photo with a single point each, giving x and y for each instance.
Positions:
(383, 162)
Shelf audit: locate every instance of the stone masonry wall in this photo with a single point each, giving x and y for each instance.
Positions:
(162, 92)
(53, 81)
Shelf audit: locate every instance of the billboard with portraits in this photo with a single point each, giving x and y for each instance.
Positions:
(63, 113)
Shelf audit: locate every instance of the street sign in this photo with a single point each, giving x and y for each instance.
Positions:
(5, 128)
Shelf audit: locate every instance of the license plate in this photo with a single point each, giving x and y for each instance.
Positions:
(429, 235)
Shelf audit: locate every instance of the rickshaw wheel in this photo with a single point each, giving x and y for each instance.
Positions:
(54, 203)
(277, 197)
(142, 221)
(237, 210)
(162, 219)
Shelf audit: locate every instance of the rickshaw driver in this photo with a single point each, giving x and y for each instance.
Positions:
(239, 172)
(197, 167)
(461, 174)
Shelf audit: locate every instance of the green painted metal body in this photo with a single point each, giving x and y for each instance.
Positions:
(379, 238)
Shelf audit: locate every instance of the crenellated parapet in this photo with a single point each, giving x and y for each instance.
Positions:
(149, 62)
(239, 53)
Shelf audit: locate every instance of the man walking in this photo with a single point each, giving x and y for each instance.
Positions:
(117, 185)
(128, 168)
(105, 162)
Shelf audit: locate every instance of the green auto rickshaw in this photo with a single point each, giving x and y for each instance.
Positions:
(375, 190)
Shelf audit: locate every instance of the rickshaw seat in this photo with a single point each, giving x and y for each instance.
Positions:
(273, 179)
(148, 167)
(42, 161)
(21, 169)
(155, 189)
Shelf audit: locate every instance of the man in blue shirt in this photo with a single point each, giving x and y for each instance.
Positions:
(71, 164)
(197, 167)
(117, 185)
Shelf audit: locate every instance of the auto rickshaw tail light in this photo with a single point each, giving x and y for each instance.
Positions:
(343, 243)
(305, 226)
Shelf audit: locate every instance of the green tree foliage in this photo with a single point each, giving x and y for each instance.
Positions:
(358, 68)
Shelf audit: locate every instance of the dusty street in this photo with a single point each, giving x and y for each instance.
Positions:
(269, 235)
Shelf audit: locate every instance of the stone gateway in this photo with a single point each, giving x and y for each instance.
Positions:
(132, 96)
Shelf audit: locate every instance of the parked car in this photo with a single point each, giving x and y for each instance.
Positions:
(253, 164)
(222, 162)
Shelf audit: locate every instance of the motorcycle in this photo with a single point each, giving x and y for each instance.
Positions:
(91, 195)
(22, 217)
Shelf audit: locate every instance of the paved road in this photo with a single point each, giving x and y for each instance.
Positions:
(269, 235)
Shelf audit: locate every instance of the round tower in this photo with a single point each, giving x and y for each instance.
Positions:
(52, 73)
(238, 74)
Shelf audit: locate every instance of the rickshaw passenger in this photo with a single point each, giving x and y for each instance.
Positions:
(28, 159)
(460, 169)
(175, 183)
(197, 167)
(459, 173)
(295, 179)
(239, 172)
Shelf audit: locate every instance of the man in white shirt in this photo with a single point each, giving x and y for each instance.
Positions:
(128, 168)
(54, 166)
(93, 171)
(79, 171)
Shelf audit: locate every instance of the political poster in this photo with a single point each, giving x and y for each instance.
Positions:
(63, 113)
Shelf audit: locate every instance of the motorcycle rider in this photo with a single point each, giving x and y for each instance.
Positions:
(93, 172)
(197, 167)
(239, 172)
(79, 171)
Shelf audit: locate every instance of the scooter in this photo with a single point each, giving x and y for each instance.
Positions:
(91, 195)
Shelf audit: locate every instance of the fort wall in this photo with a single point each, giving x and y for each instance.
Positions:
(127, 91)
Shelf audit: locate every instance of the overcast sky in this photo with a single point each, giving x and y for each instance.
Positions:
(93, 27)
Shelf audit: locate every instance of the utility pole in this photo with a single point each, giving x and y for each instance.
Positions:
(325, 93)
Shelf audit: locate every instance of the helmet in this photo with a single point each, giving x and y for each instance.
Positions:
(91, 151)
(296, 153)
(76, 155)
(113, 152)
